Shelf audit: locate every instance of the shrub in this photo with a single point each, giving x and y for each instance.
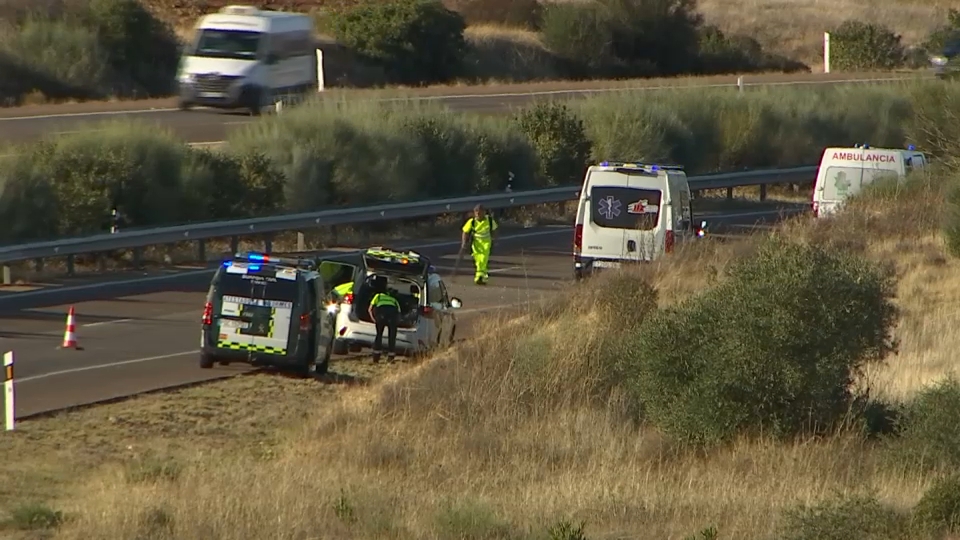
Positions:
(939, 508)
(561, 143)
(57, 58)
(580, 35)
(841, 518)
(624, 37)
(516, 13)
(939, 37)
(929, 436)
(857, 46)
(773, 348)
(416, 41)
(362, 153)
(719, 53)
(142, 50)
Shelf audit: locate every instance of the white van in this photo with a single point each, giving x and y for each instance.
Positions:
(243, 57)
(844, 171)
(630, 212)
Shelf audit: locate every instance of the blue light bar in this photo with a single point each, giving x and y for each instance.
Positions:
(911, 147)
(257, 257)
(227, 264)
(253, 267)
(604, 163)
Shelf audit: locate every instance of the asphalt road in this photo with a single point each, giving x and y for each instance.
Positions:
(23, 124)
(144, 336)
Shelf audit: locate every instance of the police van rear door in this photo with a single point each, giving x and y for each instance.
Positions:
(257, 308)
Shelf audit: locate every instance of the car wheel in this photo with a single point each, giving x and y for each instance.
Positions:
(206, 361)
(340, 348)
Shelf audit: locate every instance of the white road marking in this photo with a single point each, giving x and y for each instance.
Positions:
(103, 366)
(104, 323)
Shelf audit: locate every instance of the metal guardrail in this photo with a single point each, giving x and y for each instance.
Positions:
(133, 239)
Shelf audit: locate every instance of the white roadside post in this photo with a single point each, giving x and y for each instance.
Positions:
(8, 402)
(740, 84)
(826, 52)
(319, 70)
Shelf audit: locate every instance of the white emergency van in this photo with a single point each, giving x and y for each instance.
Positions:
(844, 171)
(630, 213)
(243, 57)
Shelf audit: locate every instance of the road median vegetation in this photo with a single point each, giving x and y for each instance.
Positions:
(332, 153)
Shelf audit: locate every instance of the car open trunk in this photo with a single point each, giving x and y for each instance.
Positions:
(409, 305)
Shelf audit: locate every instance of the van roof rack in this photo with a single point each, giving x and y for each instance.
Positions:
(254, 257)
(640, 165)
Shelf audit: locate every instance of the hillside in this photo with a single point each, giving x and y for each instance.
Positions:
(792, 28)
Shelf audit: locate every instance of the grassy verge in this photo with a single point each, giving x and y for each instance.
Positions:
(533, 426)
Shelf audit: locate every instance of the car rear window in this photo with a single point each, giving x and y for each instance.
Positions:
(625, 207)
(243, 285)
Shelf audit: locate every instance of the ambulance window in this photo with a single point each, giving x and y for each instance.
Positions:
(625, 207)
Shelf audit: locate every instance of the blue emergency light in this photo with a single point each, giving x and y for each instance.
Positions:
(911, 147)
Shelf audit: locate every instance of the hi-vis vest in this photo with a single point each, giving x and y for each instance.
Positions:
(383, 299)
(481, 230)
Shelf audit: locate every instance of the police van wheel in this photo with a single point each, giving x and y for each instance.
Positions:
(206, 361)
(340, 348)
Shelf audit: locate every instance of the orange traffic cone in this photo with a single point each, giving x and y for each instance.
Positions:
(69, 336)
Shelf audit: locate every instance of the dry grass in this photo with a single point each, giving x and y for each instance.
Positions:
(495, 439)
(794, 28)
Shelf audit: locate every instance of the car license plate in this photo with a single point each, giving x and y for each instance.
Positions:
(606, 264)
(212, 94)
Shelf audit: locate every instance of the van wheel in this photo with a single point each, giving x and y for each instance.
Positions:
(206, 361)
(340, 348)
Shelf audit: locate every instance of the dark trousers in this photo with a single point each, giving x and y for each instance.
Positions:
(386, 317)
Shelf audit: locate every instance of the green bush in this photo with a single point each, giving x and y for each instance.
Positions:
(939, 37)
(843, 518)
(558, 136)
(624, 37)
(929, 435)
(939, 508)
(719, 53)
(415, 41)
(859, 46)
(362, 153)
(88, 50)
(514, 13)
(142, 50)
(774, 348)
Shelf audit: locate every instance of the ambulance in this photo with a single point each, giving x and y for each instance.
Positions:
(844, 171)
(631, 213)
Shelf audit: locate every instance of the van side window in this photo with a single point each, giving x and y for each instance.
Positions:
(434, 291)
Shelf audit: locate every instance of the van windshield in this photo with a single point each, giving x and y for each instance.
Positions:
(239, 44)
(625, 207)
(840, 183)
(252, 285)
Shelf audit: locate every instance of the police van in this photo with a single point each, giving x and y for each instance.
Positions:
(844, 171)
(267, 311)
(631, 213)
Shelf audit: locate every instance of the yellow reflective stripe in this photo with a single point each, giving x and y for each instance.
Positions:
(8, 373)
(387, 300)
(251, 347)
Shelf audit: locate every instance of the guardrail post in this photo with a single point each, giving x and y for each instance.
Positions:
(201, 251)
(763, 192)
(301, 242)
(268, 243)
(137, 257)
(7, 280)
(70, 265)
(38, 263)
(729, 193)
(101, 262)
(234, 244)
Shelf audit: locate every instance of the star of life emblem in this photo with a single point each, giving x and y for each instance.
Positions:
(609, 207)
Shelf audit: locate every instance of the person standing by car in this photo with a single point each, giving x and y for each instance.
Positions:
(385, 311)
(479, 229)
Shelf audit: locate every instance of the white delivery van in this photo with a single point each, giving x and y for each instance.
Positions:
(844, 171)
(630, 213)
(241, 57)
